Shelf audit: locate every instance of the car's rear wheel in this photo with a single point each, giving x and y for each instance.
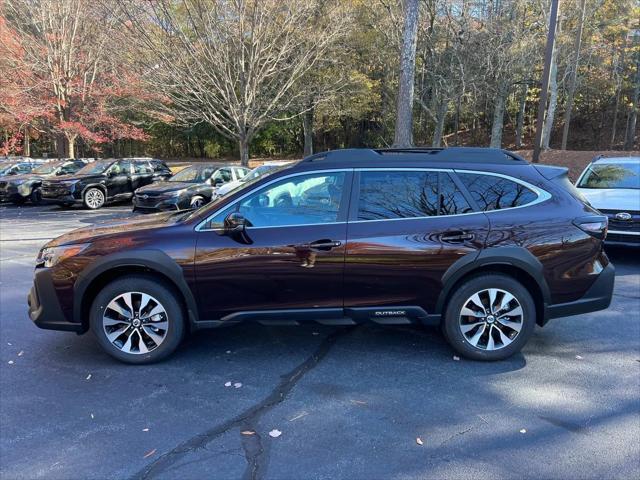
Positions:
(137, 319)
(94, 198)
(489, 317)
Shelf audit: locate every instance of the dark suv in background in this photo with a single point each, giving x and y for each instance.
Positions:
(104, 181)
(191, 187)
(477, 241)
(27, 186)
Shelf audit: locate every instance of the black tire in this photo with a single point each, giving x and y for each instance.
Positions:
(452, 327)
(94, 198)
(36, 196)
(148, 285)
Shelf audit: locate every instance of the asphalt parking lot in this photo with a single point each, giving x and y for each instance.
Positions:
(349, 403)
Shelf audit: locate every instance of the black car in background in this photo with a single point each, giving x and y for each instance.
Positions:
(27, 186)
(192, 187)
(104, 181)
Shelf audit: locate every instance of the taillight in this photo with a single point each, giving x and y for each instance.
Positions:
(594, 225)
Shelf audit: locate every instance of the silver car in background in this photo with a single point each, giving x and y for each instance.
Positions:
(612, 185)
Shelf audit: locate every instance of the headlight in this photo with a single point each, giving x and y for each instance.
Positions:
(49, 256)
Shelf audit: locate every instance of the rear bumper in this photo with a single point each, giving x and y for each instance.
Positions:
(44, 307)
(598, 297)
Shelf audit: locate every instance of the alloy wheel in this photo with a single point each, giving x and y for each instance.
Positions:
(135, 323)
(491, 319)
(94, 198)
(197, 202)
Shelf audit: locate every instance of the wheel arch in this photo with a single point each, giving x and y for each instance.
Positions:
(516, 262)
(147, 262)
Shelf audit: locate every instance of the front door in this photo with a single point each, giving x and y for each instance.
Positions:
(119, 180)
(407, 228)
(291, 258)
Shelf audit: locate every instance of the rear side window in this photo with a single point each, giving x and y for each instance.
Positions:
(387, 195)
(390, 194)
(496, 193)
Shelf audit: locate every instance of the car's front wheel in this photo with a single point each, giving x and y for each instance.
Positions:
(94, 198)
(489, 317)
(36, 196)
(137, 319)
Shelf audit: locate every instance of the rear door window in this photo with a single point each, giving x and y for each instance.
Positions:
(387, 194)
(496, 193)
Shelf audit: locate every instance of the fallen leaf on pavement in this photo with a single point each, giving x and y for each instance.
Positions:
(237, 384)
(228, 351)
(524, 430)
(92, 416)
(89, 377)
(578, 357)
(456, 358)
(299, 416)
(149, 453)
(228, 384)
(145, 429)
(275, 433)
(20, 353)
(315, 333)
(358, 402)
(248, 432)
(419, 441)
(10, 362)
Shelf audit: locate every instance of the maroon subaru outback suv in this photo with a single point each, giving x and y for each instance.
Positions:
(477, 241)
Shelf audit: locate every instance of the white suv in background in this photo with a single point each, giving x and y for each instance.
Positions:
(612, 185)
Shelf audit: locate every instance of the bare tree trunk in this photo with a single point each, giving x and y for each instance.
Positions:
(574, 77)
(404, 110)
(521, 114)
(498, 117)
(630, 135)
(457, 121)
(553, 103)
(307, 126)
(243, 143)
(441, 115)
(71, 146)
(26, 150)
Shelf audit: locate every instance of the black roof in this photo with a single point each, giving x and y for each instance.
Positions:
(459, 155)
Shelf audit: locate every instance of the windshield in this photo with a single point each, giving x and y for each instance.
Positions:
(611, 175)
(94, 168)
(45, 169)
(194, 174)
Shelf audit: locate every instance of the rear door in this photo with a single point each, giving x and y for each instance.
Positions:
(406, 228)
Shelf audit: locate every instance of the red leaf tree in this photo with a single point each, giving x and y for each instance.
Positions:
(65, 74)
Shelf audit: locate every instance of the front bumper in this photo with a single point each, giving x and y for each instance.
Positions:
(159, 204)
(11, 193)
(44, 307)
(623, 237)
(598, 297)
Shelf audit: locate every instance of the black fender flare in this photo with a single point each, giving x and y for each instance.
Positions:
(152, 259)
(518, 257)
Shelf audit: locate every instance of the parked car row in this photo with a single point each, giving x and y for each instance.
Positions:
(147, 182)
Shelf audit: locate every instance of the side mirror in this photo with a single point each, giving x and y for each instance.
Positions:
(217, 182)
(235, 226)
(12, 172)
